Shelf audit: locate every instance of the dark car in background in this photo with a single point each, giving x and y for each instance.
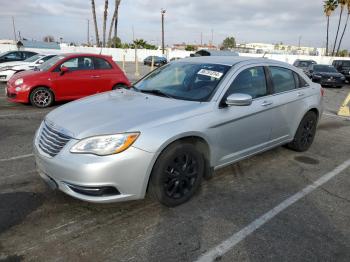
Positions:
(343, 67)
(304, 64)
(158, 60)
(11, 56)
(326, 75)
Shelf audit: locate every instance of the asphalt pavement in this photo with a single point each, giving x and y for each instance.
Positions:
(37, 224)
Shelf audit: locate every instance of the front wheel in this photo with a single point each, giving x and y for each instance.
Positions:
(305, 133)
(41, 97)
(177, 174)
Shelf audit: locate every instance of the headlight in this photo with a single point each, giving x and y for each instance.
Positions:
(105, 145)
(317, 76)
(342, 78)
(19, 81)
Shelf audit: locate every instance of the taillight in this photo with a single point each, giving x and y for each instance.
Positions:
(322, 91)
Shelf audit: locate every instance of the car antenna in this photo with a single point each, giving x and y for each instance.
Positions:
(264, 55)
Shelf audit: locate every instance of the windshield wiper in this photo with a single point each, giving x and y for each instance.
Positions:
(156, 92)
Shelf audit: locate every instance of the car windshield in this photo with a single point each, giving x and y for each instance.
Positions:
(5, 53)
(345, 63)
(33, 58)
(325, 69)
(181, 80)
(49, 63)
(305, 63)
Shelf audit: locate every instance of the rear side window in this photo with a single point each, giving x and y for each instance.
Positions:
(300, 82)
(250, 81)
(100, 63)
(282, 79)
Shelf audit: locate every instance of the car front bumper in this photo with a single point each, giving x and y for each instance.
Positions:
(21, 96)
(127, 172)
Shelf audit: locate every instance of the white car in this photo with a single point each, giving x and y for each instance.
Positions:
(7, 70)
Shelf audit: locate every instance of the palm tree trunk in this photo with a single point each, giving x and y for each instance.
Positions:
(327, 42)
(336, 37)
(113, 22)
(116, 19)
(341, 38)
(105, 13)
(95, 22)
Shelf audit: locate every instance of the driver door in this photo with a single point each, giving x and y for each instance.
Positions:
(78, 82)
(243, 130)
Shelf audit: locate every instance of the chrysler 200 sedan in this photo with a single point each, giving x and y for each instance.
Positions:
(175, 127)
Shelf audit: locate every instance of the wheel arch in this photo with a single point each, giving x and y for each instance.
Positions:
(198, 141)
(44, 86)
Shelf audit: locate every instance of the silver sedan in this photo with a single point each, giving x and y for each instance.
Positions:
(175, 127)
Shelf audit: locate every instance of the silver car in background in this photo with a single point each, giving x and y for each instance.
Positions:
(174, 127)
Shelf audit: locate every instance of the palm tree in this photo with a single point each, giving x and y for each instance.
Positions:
(105, 13)
(346, 24)
(95, 22)
(114, 22)
(342, 4)
(328, 8)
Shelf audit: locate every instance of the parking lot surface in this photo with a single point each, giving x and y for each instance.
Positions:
(37, 224)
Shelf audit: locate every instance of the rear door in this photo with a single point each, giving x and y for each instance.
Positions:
(290, 91)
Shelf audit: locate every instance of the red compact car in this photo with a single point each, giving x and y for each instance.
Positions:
(66, 77)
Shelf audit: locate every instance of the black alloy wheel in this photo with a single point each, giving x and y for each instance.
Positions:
(177, 174)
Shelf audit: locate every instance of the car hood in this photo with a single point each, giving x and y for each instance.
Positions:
(327, 74)
(120, 111)
(28, 74)
(15, 63)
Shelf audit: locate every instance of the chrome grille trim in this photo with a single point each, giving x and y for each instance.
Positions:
(51, 141)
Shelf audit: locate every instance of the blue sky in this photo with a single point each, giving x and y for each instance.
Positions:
(268, 21)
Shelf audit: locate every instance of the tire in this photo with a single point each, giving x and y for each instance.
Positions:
(119, 86)
(42, 97)
(305, 133)
(177, 174)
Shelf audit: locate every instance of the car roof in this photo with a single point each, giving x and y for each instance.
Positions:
(230, 60)
(84, 54)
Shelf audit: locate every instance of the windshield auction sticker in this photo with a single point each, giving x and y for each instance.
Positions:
(210, 73)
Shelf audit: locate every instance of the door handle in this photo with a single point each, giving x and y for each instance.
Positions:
(300, 94)
(266, 103)
(95, 76)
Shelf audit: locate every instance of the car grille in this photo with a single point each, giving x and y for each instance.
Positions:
(51, 141)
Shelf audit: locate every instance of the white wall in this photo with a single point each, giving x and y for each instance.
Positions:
(118, 54)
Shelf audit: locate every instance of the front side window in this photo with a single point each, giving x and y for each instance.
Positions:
(251, 81)
(187, 81)
(282, 79)
(79, 63)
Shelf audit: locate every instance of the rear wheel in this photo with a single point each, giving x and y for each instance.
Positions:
(41, 97)
(305, 133)
(177, 174)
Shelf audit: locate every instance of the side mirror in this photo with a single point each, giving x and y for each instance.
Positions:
(239, 100)
(64, 70)
(40, 62)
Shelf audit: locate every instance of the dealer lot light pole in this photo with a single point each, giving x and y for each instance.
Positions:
(162, 11)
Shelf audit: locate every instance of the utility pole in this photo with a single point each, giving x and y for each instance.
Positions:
(162, 11)
(14, 28)
(88, 32)
(201, 38)
(299, 42)
(212, 36)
